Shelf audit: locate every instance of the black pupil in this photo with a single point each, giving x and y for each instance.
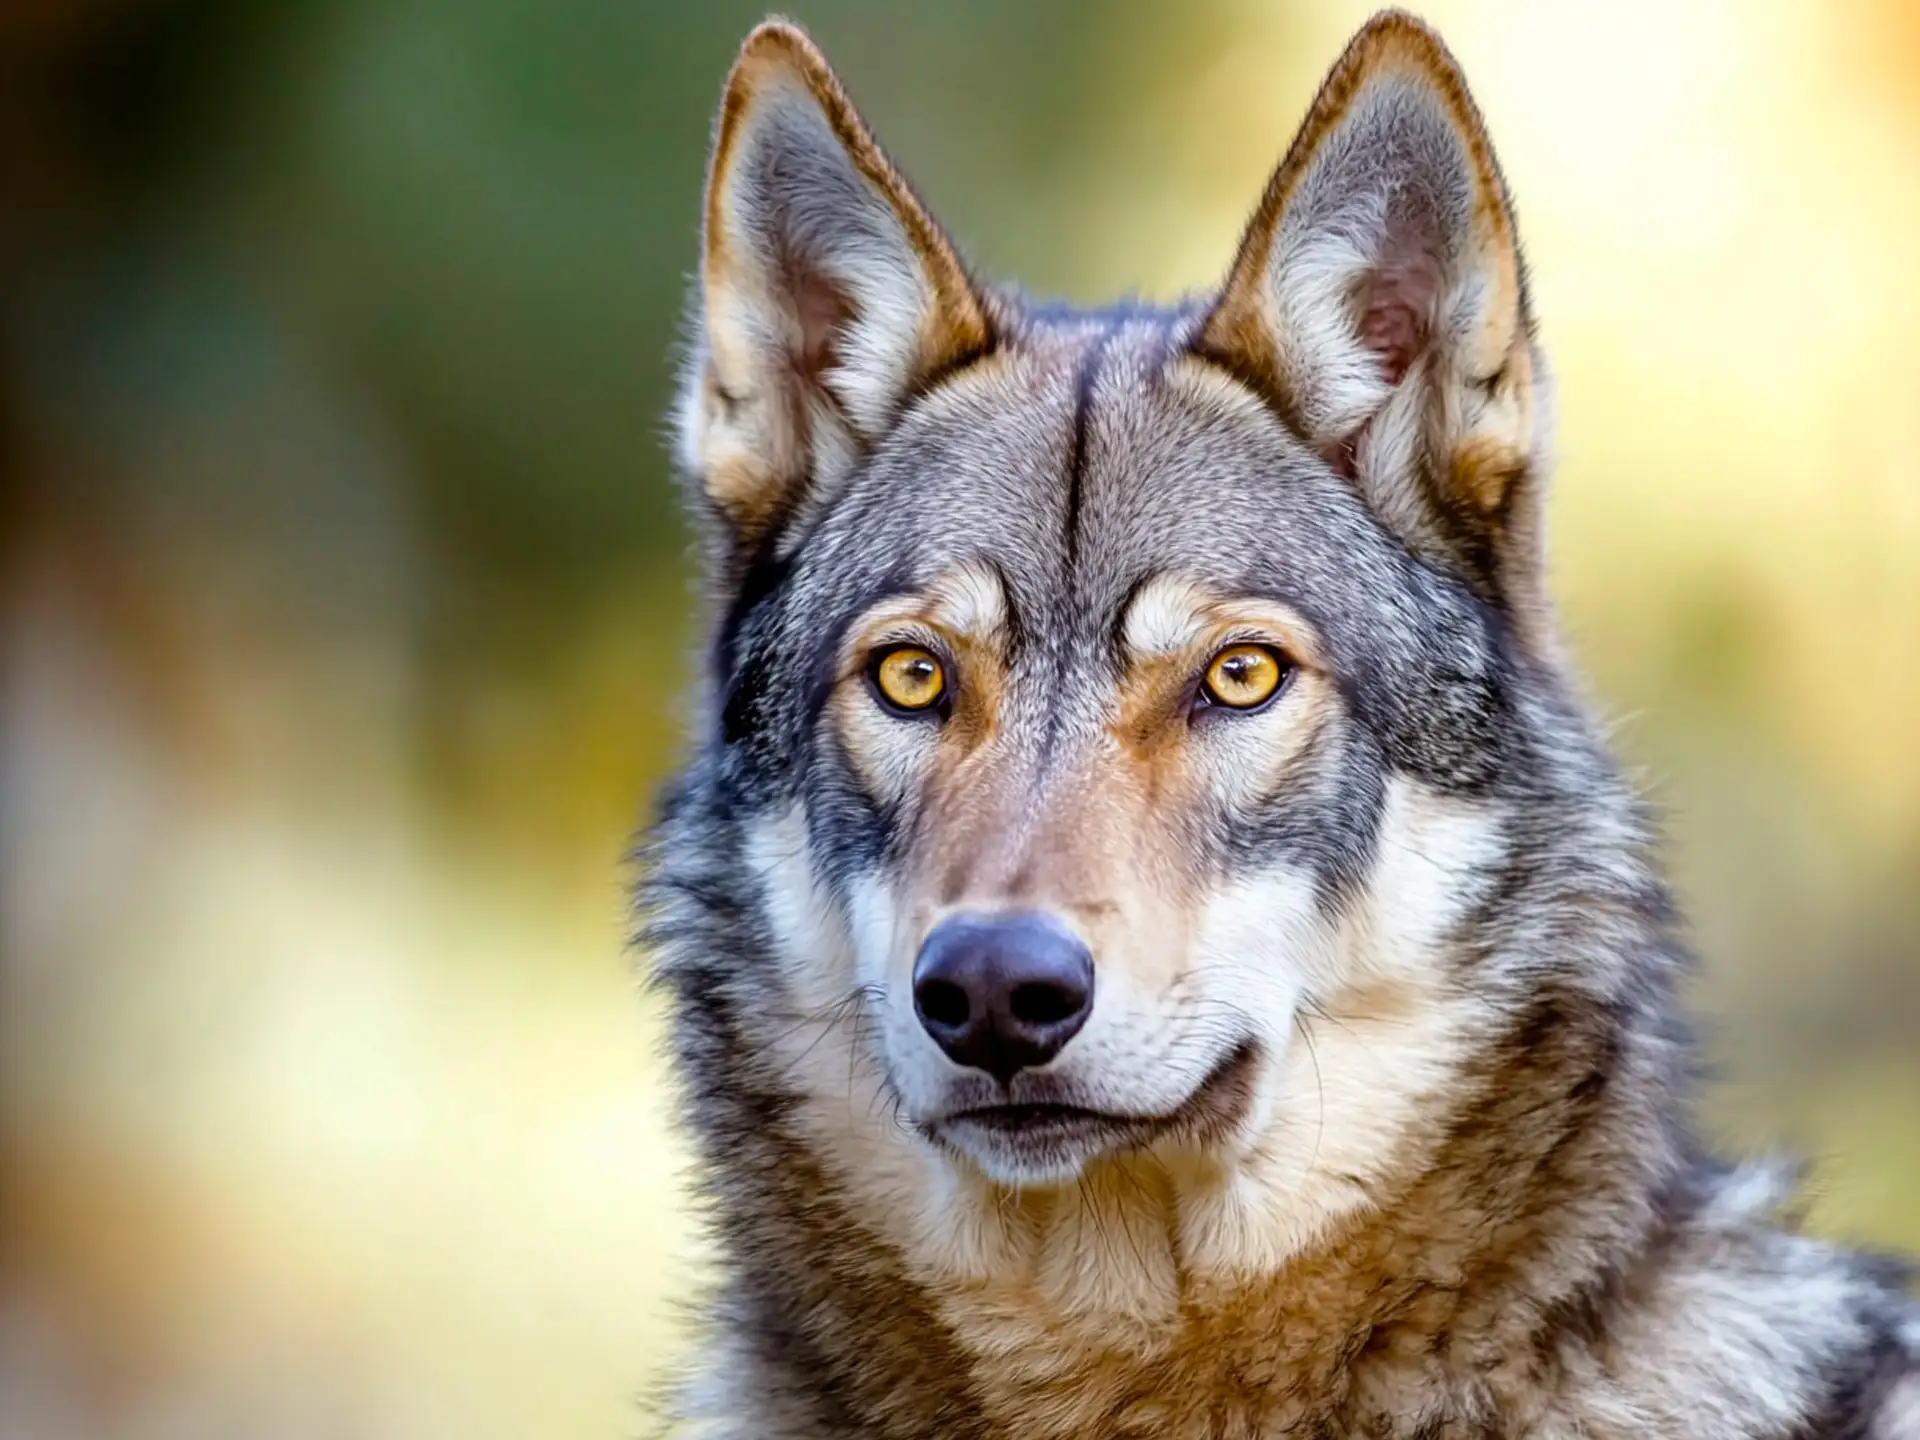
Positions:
(919, 672)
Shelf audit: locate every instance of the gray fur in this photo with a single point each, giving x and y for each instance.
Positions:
(1541, 1248)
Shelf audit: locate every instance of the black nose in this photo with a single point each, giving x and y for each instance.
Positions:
(1001, 993)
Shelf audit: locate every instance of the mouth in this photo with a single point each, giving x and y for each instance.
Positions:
(1032, 1144)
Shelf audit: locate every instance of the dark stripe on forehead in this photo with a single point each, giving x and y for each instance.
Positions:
(1084, 380)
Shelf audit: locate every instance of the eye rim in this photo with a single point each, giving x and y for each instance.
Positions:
(940, 703)
(1206, 698)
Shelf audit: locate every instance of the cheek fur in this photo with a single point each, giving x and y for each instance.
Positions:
(887, 755)
(1298, 787)
(1254, 760)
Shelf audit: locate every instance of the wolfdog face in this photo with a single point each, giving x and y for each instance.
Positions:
(1117, 717)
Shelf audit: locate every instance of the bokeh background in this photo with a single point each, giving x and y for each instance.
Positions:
(345, 604)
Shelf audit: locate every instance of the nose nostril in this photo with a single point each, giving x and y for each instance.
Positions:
(1045, 1003)
(1002, 993)
(942, 1002)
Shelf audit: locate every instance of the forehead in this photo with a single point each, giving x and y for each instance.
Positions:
(1085, 457)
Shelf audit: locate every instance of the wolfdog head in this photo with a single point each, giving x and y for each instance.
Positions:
(1134, 734)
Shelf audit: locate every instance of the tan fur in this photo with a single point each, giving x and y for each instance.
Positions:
(1161, 1272)
(986, 846)
(1375, 1118)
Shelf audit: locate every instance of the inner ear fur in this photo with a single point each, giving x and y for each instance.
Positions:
(1378, 302)
(827, 294)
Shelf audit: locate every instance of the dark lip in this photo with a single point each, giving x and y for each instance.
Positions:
(1214, 1105)
(1032, 1117)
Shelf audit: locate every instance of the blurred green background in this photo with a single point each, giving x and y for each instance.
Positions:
(345, 605)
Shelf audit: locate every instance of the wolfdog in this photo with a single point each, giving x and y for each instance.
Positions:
(1157, 944)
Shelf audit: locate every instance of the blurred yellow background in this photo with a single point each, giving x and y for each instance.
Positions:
(345, 607)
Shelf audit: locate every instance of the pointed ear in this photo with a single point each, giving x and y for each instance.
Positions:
(1379, 302)
(827, 295)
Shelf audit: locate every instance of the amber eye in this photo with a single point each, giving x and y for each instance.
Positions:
(1245, 677)
(909, 678)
